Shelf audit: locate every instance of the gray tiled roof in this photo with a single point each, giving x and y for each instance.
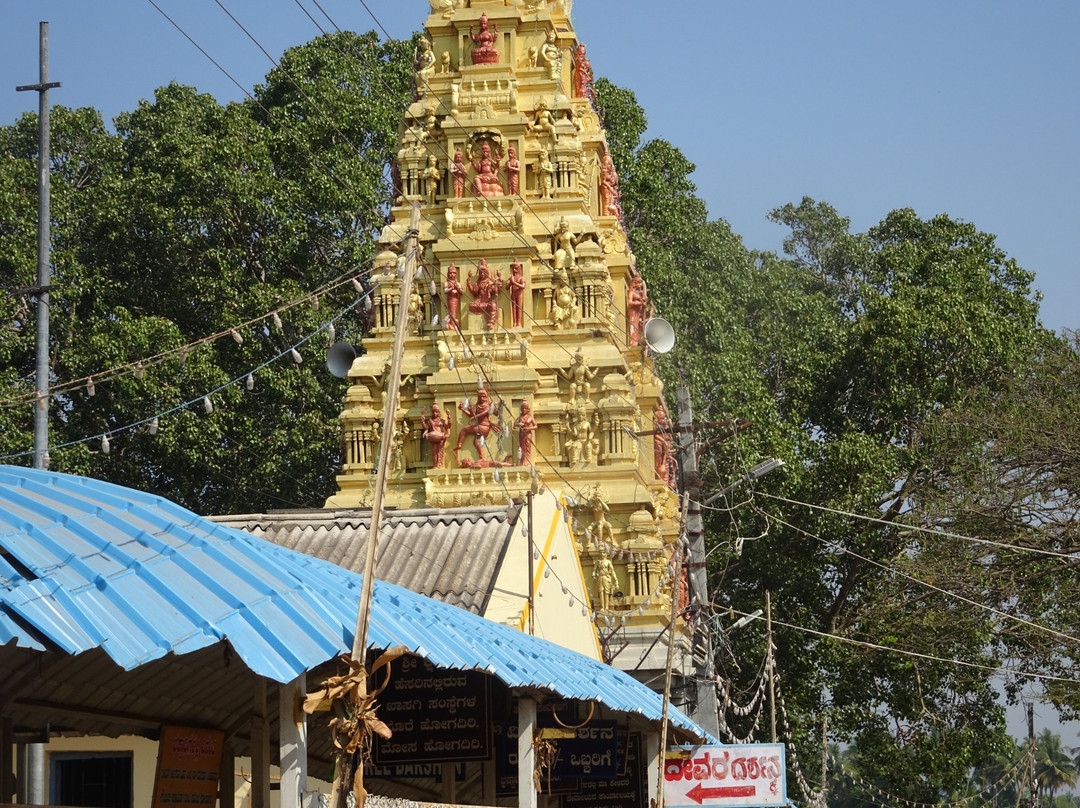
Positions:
(450, 554)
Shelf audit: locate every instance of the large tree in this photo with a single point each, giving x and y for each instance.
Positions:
(194, 219)
(850, 353)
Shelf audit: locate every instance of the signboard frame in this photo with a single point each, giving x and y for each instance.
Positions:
(726, 776)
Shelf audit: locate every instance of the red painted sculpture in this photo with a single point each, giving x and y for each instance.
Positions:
(480, 427)
(513, 171)
(436, 433)
(662, 458)
(484, 53)
(517, 293)
(485, 292)
(525, 424)
(582, 72)
(486, 182)
(453, 291)
(458, 173)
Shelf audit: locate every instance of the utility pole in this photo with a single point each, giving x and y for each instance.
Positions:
(41, 290)
(393, 387)
(705, 704)
(33, 790)
(772, 666)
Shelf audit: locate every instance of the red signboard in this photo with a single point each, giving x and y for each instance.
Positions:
(739, 775)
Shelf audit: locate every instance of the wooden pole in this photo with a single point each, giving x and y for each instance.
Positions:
(393, 388)
(672, 638)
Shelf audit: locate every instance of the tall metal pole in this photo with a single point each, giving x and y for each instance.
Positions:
(532, 594)
(772, 666)
(393, 388)
(41, 363)
(706, 705)
(34, 788)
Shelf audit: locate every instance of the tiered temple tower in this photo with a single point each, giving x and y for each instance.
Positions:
(525, 364)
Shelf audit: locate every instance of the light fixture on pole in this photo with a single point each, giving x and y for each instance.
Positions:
(758, 470)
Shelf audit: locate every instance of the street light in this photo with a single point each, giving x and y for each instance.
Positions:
(759, 470)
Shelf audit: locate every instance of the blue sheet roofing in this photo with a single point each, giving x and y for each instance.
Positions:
(86, 564)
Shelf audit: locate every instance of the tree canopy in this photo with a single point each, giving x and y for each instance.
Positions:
(878, 366)
(195, 219)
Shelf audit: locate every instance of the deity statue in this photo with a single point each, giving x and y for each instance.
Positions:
(486, 182)
(423, 65)
(604, 577)
(397, 449)
(517, 293)
(416, 311)
(545, 175)
(513, 171)
(578, 376)
(525, 424)
(662, 457)
(480, 427)
(453, 291)
(543, 121)
(549, 52)
(636, 302)
(444, 6)
(432, 175)
(609, 187)
(436, 433)
(444, 64)
(485, 292)
(484, 53)
(458, 173)
(582, 73)
(564, 254)
(564, 313)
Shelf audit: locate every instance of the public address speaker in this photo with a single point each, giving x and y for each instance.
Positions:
(659, 335)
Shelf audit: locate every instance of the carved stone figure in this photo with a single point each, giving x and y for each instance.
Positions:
(636, 302)
(525, 424)
(484, 53)
(543, 121)
(486, 182)
(564, 311)
(662, 457)
(443, 6)
(578, 376)
(458, 173)
(549, 52)
(423, 64)
(605, 580)
(564, 254)
(453, 291)
(479, 414)
(545, 175)
(582, 73)
(485, 292)
(513, 171)
(416, 311)
(432, 175)
(436, 433)
(444, 64)
(609, 187)
(517, 293)
(397, 449)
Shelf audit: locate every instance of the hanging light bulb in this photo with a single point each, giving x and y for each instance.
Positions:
(153, 427)
(547, 572)
(184, 354)
(524, 531)
(506, 430)
(536, 554)
(572, 602)
(249, 382)
(584, 610)
(433, 289)
(466, 354)
(367, 303)
(331, 333)
(467, 404)
(315, 301)
(450, 363)
(41, 401)
(419, 273)
(296, 357)
(435, 321)
(479, 382)
(558, 505)
(207, 405)
(357, 285)
(276, 318)
(105, 447)
(564, 589)
(46, 461)
(90, 389)
(495, 474)
(236, 336)
(480, 441)
(520, 455)
(138, 371)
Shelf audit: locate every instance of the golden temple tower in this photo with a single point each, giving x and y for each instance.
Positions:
(526, 365)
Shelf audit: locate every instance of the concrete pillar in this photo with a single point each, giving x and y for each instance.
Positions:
(292, 741)
(526, 755)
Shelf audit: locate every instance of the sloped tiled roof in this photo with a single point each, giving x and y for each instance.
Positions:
(449, 554)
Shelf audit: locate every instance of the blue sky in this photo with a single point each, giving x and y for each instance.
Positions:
(968, 107)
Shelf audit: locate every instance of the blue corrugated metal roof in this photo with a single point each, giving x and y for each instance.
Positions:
(86, 564)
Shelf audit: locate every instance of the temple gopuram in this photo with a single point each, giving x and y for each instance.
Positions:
(525, 368)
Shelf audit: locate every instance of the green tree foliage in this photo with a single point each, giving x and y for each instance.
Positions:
(192, 219)
(851, 354)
